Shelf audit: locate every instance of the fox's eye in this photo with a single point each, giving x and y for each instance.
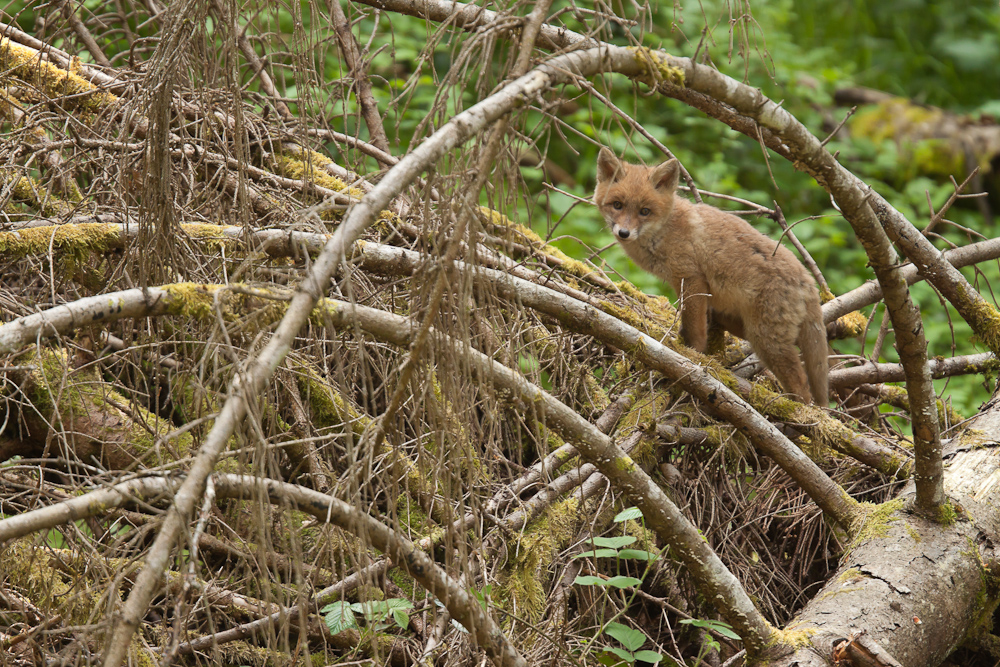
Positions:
(644, 211)
(617, 205)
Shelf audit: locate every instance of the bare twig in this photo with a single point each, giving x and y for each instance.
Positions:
(460, 603)
(359, 75)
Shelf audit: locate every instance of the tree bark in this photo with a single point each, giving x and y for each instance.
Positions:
(915, 587)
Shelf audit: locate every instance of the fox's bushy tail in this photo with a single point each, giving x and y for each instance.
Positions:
(812, 340)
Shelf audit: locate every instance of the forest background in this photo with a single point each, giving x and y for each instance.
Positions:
(818, 59)
(797, 52)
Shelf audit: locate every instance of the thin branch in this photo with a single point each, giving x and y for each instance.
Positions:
(870, 292)
(461, 605)
(246, 48)
(259, 370)
(956, 194)
(779, 217)
(853, 201)
(359, 74)
(660, 512)
(939, 368)
(638, 127)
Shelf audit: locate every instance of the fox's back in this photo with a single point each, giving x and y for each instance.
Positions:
(745, 268)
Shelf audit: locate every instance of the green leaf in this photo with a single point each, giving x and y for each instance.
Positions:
(722, 628)
(630, 638)
(590, 581)
(599, 553)
(623, 582)
(649, 656)
(339, 617)
(377, 610)
(610, 659)
(627, 514)
(624, 655)
(401, 617)
(482, 596)
(398, 603)
(637, 554)
(614, 542)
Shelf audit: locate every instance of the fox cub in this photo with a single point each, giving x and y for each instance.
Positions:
(723, 270)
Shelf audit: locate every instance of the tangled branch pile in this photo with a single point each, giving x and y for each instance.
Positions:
(162, 222)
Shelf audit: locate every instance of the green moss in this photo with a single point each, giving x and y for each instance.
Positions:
(873, 521)
(592, 396)
(885, 120)
(414, 521)
(648, 408)
(632, 317)
(912, 128)
(947, 514)
(245, 654)
(192, 300)
(644, 454)
(74, 591)
(899, 398)
(116, 429)
(851, 325)
(190, 399)
(656, 65)
(850, 575)
(403, 580)
(521, 589)
(981, 316)
(520, 233)
(72, 90)
(211, 237)
(795, 639)
(310, 168)
(29, 191)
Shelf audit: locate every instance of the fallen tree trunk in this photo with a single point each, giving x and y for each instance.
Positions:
(914, 587)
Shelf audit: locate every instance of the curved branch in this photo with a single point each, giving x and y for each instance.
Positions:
(312, 288)
(939, 368)
(680, 77)
(461, 605)
(362, 84)
(578, 316)
(663, 516)
(870, 292)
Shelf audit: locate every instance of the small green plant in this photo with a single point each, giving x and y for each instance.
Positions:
(340, 616)
(710, 644)
(631, 640)
(483, 597)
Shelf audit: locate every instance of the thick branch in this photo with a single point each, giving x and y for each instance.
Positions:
(662, 515)
(672, 75)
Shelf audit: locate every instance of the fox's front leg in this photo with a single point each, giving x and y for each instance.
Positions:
(694, 313)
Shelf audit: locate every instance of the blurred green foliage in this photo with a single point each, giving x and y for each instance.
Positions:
(797, 51)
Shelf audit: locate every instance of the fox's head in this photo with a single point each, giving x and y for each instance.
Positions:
(633, 199)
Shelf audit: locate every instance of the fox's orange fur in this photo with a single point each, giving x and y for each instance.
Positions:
(723, 270)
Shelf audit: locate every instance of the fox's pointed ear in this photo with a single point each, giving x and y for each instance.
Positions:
(609, 168)
(666, 175)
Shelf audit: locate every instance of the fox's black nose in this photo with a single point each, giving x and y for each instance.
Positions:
(623, 233)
